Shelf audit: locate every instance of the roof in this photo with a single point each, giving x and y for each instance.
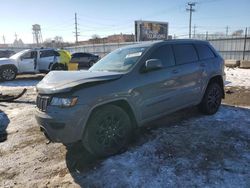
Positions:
(173, 41)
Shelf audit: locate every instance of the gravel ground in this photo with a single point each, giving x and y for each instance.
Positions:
(181, 150)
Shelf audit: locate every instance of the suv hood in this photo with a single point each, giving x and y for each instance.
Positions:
(4, 61)
(64, 81)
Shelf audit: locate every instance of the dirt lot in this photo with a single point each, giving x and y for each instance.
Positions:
(184, 149)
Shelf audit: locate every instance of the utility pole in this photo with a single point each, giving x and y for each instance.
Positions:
(245, 41)
(194, 31)
(16, 36)
(3, 39)
(191, 10)
(76, 29)
(227, 30)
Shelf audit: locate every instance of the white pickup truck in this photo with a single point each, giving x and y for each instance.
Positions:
(39, 60)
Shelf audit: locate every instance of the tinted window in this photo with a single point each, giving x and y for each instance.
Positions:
(75, 55)
(30, 55)
(84, 55)
(47, 53)
(204, 51)
(165, 54)
(88, 55)
(185, 53)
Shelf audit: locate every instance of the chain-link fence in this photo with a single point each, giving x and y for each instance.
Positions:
(230, 47)
(233, 48)
(237, 48)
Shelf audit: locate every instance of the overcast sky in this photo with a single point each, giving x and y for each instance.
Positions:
(105, 17)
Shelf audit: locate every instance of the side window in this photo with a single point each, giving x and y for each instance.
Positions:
(34, 54)
(83, 55)
(47, 53)
(88, 55)
(56, 53)
(165, 54)
(204, 51)
(76, 55)
(185, 53)
(27, 55)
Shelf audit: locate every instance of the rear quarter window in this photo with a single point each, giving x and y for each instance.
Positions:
(185, 53)
(204, 51)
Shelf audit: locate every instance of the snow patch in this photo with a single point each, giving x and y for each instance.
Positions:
(237, 77)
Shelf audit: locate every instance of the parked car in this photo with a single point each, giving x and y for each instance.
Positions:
(40, 60)
(6, 53)
(101, 107)
(84, 59)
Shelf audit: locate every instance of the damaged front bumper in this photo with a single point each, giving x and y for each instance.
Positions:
(65, 125)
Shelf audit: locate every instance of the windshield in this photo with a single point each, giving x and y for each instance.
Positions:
(120, 60)
(17, 55)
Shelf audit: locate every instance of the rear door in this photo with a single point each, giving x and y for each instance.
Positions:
(46, 59)
(84, 59)
(207, 62)
(158, 88)
(188, 74)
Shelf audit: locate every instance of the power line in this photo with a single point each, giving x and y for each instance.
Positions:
(191, 10)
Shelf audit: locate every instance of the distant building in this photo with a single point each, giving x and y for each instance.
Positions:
(116, 38)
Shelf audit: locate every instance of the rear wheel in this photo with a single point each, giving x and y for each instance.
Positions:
(8, 73)
(212, 99)
(109, 130)
(58, 67)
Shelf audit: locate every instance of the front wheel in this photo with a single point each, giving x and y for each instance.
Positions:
(212, 99)
(108, 130)
(8, 73)
(91, 63)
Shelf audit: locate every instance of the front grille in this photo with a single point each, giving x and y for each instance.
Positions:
(42, 102)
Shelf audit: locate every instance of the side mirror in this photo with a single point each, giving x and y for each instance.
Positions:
(153, 64)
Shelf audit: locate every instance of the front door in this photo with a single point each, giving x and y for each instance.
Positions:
(158, 88)
(27, 62)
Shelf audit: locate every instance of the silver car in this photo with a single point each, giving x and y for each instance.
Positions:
(130, 86)
(38, 60)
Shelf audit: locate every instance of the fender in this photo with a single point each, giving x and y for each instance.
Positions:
(207, 82)
(7, 61)
(11, 65)
(110, 101)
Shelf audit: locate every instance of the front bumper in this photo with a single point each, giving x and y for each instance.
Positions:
(65, 125)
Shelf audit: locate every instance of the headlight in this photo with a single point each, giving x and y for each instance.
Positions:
(63, 102)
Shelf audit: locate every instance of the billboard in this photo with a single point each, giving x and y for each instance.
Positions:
(151, 30)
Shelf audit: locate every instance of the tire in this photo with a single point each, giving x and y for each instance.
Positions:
(212, 99)
(8, 73)
(91, 63)
(58, 67)
(108, 131)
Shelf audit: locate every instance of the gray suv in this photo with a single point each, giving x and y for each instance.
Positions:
(130, 86)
